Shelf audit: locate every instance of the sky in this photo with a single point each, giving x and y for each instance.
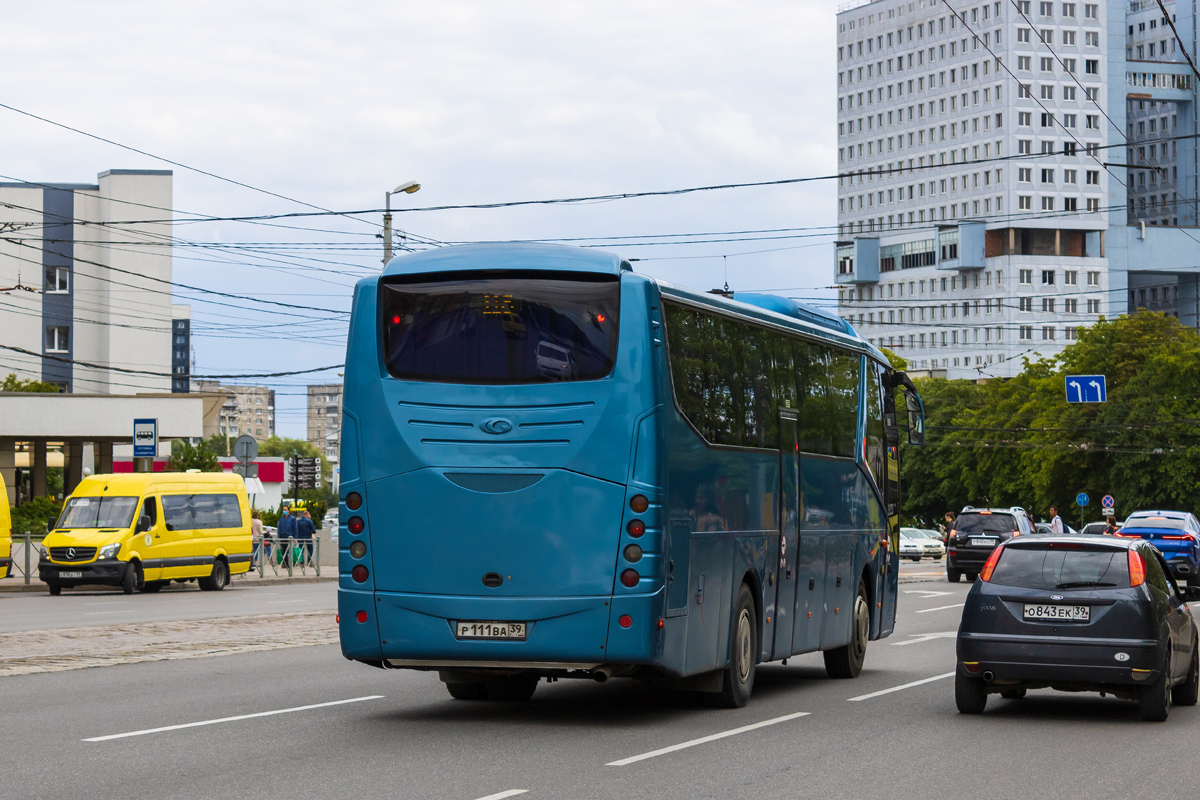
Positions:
(480, 102)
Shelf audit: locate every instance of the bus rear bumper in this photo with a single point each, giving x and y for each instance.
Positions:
(418, 630)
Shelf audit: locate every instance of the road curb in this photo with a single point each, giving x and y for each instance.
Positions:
(10, 586)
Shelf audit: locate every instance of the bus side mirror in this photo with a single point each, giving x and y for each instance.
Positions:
(916, 419)
(144, 523)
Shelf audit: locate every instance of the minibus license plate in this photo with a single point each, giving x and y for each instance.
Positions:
(70, 574)
(1052, 611)
(984, 541)
(476, 629)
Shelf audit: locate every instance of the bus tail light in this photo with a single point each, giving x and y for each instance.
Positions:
(633, 554)
(629, 577)
(359, 573)
(355, 525)
(354, 501)
(1137, 569)
(361, 616)
(638, 504)
(636, 528)
(985, 574)
(625, 621)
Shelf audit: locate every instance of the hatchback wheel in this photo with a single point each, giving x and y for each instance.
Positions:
(1155, 698)
(1186, 693)
(970, 694)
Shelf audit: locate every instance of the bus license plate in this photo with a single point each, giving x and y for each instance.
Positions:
(985, 541)
(62, 574)
(1051, 611)
(476, 629)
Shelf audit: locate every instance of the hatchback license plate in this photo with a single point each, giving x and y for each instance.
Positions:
(1052, 611)
(70, 574)
(984, 541)
(489, 630)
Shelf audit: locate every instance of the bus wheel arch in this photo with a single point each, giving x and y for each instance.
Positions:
(753, 581)
(868, 580)
(745, 636)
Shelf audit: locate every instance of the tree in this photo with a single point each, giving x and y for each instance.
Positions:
(219, 444)
(14, 384)
(185, 456)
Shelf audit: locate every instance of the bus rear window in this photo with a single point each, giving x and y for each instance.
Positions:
(500, 328)
(1037, 568)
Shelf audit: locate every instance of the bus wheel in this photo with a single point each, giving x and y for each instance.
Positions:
(133, 577)
(511, 690)
(468, 691)
(847, 661)
(219, 578)
(55, 589)
(743, 654)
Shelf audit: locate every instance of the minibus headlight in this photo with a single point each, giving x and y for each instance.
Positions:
(110, 550)
(43, 552)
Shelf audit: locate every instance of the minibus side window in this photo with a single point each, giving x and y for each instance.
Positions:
(150, 509)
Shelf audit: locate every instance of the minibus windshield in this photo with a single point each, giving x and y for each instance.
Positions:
(98, 512)
(500, 328)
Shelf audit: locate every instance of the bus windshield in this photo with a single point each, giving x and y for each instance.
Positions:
(98, 512)
(500, 328)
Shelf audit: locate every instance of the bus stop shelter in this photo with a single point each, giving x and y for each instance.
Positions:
(33, 422)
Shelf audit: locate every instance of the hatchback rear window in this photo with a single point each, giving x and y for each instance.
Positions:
(1061, 569)
(986, 523)
(500, 327)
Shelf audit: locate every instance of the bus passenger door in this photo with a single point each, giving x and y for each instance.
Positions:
(789, 515)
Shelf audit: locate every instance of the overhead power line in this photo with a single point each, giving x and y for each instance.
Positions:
(126, 370)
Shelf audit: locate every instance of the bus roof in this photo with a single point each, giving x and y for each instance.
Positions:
(503, 255)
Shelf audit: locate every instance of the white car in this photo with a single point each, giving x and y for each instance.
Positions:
(939, 548)
(914, 544)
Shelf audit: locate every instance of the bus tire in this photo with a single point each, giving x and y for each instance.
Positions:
(743, 654)
(132, 578)
(219, 578)
(847, 661)
(518, 689)
(468, 691)
(55, 589)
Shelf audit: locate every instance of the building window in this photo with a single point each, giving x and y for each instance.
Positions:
(1026, 277)
(58, 280)
(1092, 66)
(1026, 303)
(1093, 306)
(57, 339)
(1047, 277)
(1048, 305)
(1047, 204)
(1024, 202)
(1071, 306)
(1026, 333)
(1072, 278)
(1093, 278)
(1047, 333)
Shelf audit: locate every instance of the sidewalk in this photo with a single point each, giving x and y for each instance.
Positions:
(328, 574)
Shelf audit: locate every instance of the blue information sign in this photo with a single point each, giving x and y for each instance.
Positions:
(1086, 389)
(145, 438)
(1081, 499)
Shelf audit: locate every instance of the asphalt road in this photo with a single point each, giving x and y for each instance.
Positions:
(892, 733)
(20, 611)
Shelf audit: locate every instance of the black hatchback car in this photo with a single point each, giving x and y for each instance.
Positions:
(1078, 613)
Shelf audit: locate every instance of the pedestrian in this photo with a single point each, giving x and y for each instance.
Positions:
(256, 534)
(1111, 528)
(286, 530)
(949, 526)
(305, 530)
(1056, 523)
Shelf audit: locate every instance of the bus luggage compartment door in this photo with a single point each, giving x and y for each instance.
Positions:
(546, 533)
(789, 515)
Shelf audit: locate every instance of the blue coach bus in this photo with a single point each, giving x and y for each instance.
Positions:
(553, 466)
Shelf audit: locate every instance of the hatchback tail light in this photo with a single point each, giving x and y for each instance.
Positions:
(985, 574)
(1137, 569)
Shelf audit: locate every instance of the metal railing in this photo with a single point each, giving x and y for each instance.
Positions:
(280, 555)
(24, 557)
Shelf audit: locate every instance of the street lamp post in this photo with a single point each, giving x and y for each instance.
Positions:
(407, 188)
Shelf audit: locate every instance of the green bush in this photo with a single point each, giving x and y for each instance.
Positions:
(32, 516)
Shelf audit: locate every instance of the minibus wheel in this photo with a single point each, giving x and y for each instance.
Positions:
(133, 577)
(55, 589)
(219, 578)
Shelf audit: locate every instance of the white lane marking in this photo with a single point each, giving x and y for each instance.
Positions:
(502, 795)
(705, 739)
(122, 603)
(102, 613)
(917, 638)
(939, 608)
(900, 688)
(927, 593)
(281, 602)
(231, 719)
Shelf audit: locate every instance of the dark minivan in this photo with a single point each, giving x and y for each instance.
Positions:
(976, 532)
(1078, 613)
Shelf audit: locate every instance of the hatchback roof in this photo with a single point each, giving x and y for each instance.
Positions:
(1172, 514)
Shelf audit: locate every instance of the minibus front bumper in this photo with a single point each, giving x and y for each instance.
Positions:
(102, 571)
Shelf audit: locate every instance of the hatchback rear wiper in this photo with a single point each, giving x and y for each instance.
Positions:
(1080, 584)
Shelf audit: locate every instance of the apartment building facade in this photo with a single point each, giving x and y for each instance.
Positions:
(247, 410)
(325, 420)
(980, 216)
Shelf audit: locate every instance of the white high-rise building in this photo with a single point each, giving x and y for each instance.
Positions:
(982, 208)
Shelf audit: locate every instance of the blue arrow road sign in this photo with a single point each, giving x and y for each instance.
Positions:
(1086, 389)
(1081, 499)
